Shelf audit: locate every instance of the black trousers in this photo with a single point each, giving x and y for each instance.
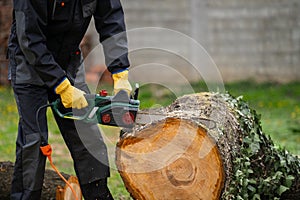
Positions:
(83, 140)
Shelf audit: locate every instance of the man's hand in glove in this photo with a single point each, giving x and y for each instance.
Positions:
(71, 96)
(121, 82)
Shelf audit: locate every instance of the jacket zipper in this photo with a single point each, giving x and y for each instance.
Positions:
(53, 10)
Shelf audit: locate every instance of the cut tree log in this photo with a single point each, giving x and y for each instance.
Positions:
(167, 155)
(53, 188)
(209, 146)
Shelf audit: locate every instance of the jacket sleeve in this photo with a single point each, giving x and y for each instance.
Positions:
(31, 22)
(109, 22)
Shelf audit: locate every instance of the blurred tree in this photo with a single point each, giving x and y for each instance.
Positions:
(5, 22)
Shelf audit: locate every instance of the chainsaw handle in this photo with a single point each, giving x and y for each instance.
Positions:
(69, 115)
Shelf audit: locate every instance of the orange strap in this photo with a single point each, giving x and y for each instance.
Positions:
(47, 151)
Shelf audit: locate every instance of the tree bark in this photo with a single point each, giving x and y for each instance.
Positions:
(53, 187)
(209, 146)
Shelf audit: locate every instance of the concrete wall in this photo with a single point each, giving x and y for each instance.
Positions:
(172, 14)
(247, 39)
(257, 39)
(160, 47)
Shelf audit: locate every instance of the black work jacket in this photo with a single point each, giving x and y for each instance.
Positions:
(46, 34)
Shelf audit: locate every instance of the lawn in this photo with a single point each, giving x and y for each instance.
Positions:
(279, 107)
(278, 104)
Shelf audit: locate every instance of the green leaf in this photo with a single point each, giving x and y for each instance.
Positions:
(239, 197)
(289, 180)
(254, 147)
(252, 181)
(251, 188)
(267, 180)
(277, 175)
(247, 140)
(238, 173)
(282, 189)
(256, 197)
(247, 163)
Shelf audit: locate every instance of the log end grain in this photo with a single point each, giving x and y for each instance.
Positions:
(172, 159)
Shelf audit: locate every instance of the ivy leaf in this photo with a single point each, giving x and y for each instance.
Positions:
(282, 189)
(277, 175)
(256, 197)
(254, 147)
(251, 188)
(252, 181)
(289, 180)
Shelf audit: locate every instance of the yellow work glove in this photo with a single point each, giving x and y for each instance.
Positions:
(71, 96)
(121, 82)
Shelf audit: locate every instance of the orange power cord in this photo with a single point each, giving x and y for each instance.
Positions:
(47, 151)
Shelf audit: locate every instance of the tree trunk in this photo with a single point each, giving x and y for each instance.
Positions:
(53, 187)
(209, 146)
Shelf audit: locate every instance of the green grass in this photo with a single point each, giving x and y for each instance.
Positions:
(278, 104)
(8, 124)
(279, 107)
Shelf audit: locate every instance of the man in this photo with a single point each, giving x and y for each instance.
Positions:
(45, 64)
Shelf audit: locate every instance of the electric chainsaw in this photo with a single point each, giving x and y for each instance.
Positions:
(119, 110)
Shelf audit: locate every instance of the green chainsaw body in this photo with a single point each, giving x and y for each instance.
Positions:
(118, 110)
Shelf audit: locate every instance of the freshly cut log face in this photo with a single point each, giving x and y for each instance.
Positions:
(172, 159)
